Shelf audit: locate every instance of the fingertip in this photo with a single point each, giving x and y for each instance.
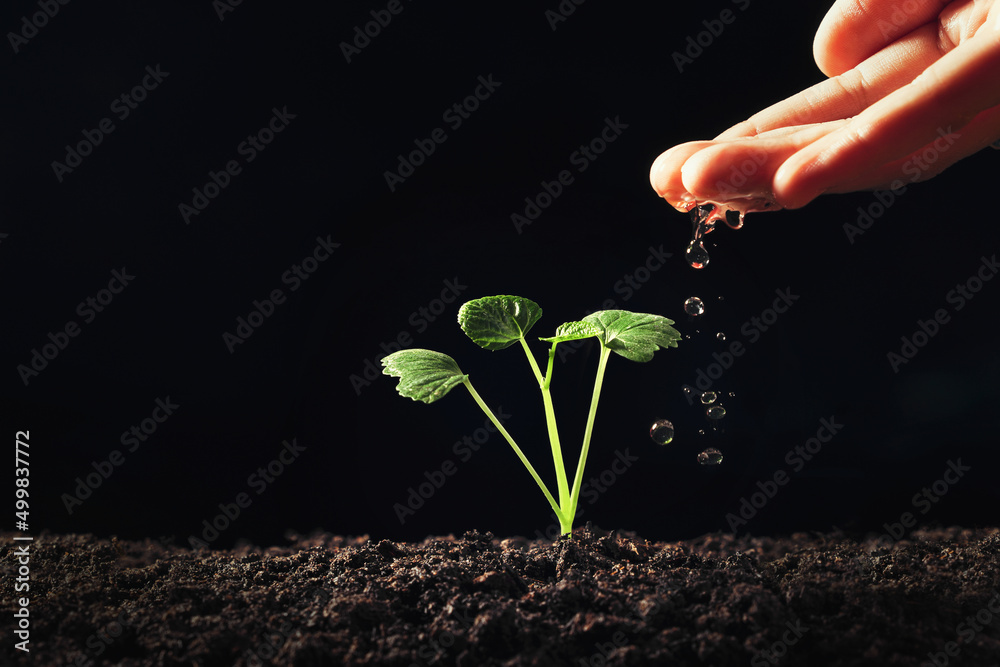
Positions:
(792, 187)
(829, 58)
(854, 30)
(698, 173)
(665, 172)
(658, 173)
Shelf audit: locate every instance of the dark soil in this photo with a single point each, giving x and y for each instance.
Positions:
(600, 598)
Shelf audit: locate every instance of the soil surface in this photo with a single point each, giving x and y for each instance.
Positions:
(598, 599)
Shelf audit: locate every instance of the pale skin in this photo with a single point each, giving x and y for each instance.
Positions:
(913, 87)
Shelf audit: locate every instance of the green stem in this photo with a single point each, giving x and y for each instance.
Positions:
(517, 450)
(534, 364)
(565, 521)
(548, 371)
(578, 480)
(550, 423)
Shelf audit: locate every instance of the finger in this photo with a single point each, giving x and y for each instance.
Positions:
(850, 93)
(947, 95)
(929, 160)
(854, 30)
(665, 174)
(746, 167)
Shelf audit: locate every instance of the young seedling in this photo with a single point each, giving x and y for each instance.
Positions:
(497, 322)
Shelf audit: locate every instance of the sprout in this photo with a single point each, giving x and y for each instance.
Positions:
(498, 322)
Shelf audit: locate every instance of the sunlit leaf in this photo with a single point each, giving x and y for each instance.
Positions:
(424, 375)
(635, 336)
(496, 322)
(573, 331)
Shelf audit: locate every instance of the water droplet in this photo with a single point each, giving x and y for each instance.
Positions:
(710, 457)
(687, 390)
(701, 431)
(722, 298)
(662, 432)
(732, 394)
(694, 306)
(720, 336)
(700, 212)
(702, 222)
(709, 397)
(715, 412)
(696, 255)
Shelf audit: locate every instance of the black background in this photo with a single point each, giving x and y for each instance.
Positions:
(323, 176)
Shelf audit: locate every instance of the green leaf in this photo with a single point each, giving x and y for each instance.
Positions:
(573, 331)
(635, 336)
(424, 375)
(496, 322)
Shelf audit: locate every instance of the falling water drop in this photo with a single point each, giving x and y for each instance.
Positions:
(715, 412)
(662, 432)
(696, 255)
(710, 457)
(707, 214)
(709, 397)
(701, 224)
(694, 306)
(720, 336)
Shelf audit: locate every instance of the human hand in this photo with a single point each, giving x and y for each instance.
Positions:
(914, 87)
